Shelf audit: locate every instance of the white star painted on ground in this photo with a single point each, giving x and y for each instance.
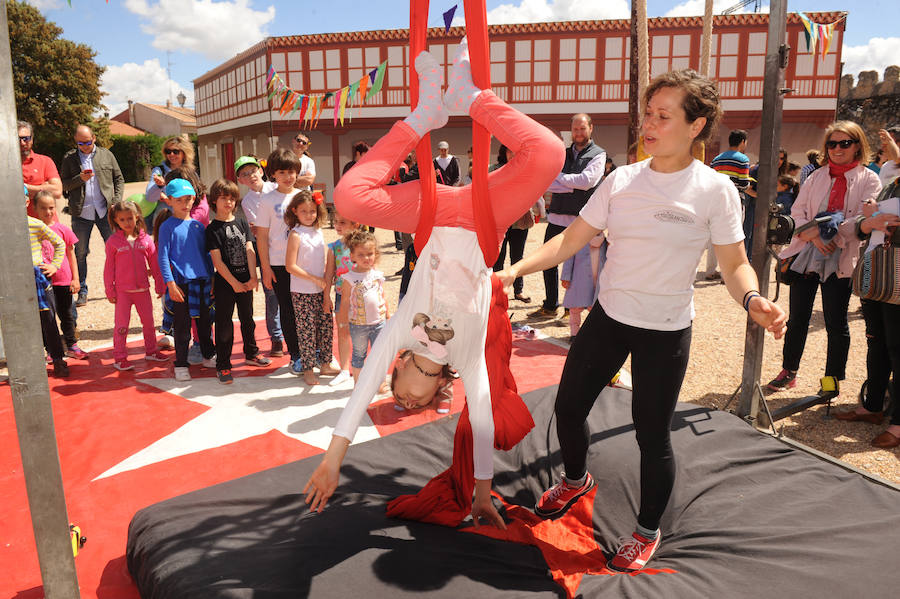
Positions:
(251, 406)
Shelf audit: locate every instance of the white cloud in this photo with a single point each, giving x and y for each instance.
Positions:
(875, 56)
(217, 30)
(145, 82)
(45, 5)
(536, 11)
(695, 8)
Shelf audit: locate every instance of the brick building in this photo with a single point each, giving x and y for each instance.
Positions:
(548, 70)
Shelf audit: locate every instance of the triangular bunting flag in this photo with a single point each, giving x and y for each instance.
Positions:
(345, 93)
(270, 74)
(809, 28)
(448, 18)
(363, 86)
(379, 79)
(304, 103)
(829, 36)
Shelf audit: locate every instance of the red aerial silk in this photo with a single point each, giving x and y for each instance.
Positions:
(447, 498)
(477, 33)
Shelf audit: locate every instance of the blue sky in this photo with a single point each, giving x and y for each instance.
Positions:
(131, 37)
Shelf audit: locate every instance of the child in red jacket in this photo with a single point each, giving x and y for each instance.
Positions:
(130, 256)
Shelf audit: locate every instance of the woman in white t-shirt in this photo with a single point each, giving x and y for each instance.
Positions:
(658, 215)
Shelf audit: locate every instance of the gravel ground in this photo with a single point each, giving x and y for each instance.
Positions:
(714, 371)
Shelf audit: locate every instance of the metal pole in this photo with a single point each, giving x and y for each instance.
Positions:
(27, 370)
(770, 140)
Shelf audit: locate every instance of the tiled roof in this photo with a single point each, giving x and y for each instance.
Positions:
(531, 28)
(182, 114)
(119, 128)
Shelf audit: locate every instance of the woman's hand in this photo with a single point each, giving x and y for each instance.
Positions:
(506, 277)
(826, 248)
(321, 485)
(869, 208)
(483, 507)
(889, 147)
(768, 315)
(809, 234)
(158, 179)
(175, 292)
(881, 222)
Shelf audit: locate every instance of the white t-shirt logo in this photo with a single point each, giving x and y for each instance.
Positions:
(669, 216)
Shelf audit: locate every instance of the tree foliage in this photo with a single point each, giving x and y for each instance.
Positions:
(56, 81)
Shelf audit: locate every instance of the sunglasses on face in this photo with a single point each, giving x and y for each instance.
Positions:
(25, 138)
(172, 151)
(305, 142)
(844, 143)
(85, 143)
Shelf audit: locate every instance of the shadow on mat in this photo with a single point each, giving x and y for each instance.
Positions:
(275, 542)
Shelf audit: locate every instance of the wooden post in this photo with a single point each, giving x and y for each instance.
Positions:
(639, 72)
(706, 40)
(770, 141)
(27, 369)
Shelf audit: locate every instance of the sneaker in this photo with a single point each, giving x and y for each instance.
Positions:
(297, 367)
(182, 373)
(82, 300)
(543, 312)
(195, 355)
(60, 368)
(258, 360)
(166, 341)
(560, 497)
(156, 357)
(634, 553)
(208, 362)
(123, 365)
(342, 377)
(786, 379)
(225, 377)
(277, 349)
(76, 352)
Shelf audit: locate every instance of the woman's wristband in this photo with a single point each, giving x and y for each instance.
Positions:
(749, 296)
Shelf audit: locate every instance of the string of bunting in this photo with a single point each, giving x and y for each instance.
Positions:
(818, 34)
(288, 101)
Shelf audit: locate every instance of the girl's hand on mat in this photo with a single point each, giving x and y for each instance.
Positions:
(321, 485)
(483, 507)
(768, 315)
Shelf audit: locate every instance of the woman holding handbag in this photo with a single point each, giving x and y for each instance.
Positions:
(825, 255)
(879, 289)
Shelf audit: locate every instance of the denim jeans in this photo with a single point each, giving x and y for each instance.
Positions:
(360, 336)
(82, 228)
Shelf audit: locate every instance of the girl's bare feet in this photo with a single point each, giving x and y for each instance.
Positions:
(310, 378)
(329, 370)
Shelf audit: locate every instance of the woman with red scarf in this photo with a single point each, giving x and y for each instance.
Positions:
(826, 254)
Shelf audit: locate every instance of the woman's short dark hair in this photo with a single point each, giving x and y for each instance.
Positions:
(701, 98)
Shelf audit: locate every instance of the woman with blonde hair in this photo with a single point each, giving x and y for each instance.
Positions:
(177, 152)
(825, 255)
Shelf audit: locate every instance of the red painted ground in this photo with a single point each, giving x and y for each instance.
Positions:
(103, 416)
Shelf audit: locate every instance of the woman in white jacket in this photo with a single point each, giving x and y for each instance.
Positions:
(826, 258)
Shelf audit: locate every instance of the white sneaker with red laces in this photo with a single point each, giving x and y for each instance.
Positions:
(634, 553)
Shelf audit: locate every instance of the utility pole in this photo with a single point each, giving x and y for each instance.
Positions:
(770, 140)
(706, 39)
(27, 369)
(639, 69)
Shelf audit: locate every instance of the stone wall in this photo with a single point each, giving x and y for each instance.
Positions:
(872, 103)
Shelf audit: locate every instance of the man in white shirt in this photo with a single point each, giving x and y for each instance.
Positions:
(581, 174)
(300, 144)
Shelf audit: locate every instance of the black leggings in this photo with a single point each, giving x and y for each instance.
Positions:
(658, 361)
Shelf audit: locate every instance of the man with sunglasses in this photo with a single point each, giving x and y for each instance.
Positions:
(92, 181)
(300, 144)
(38, 171)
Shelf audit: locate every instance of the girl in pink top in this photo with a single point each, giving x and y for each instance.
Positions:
(130, 257)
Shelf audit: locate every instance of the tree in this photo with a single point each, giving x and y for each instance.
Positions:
(56, 81)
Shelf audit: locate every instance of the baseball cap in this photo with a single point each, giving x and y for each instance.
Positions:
(243, 161)
(179, 187)
(443, 145)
